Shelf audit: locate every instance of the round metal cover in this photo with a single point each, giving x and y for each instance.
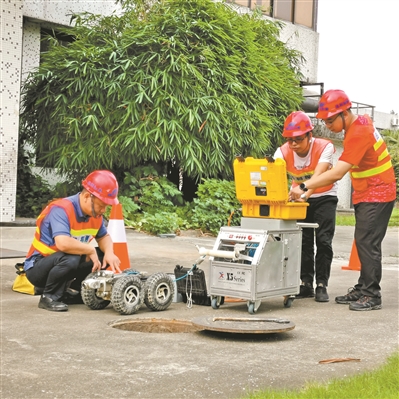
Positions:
(248, 325)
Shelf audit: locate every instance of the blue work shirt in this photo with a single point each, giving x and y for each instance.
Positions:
(56, 223)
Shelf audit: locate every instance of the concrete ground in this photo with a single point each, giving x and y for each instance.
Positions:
(77, 354)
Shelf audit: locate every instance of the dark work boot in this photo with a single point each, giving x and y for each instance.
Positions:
(49, 304)
(305, 291)
(352, 296)
(321, 293)
(366, 303)
(71, 297)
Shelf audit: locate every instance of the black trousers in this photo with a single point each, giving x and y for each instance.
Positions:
(371, 226)
(54, 272)
(321, 210)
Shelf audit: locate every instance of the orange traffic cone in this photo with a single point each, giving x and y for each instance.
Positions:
(116, 229)
(354, 261)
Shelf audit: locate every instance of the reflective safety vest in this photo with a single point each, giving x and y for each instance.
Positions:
(301, 176)
(381, 166)
(77, 229)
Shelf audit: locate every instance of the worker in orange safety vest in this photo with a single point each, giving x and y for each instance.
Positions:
(61, 255)
(366, 158)
(308, 156)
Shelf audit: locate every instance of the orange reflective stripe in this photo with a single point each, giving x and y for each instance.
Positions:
(373, 171)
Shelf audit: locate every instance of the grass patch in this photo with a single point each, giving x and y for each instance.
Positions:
(349, 219)
(382, 383)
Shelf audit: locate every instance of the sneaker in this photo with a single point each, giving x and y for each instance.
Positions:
(366, 303)
(352, 296)
(321, 294)
(305, 291)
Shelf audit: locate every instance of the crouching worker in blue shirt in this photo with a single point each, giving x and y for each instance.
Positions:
(61, 255)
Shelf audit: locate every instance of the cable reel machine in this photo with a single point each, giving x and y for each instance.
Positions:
(262, 257)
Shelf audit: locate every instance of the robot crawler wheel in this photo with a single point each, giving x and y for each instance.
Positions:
(127, 295)
(159, 291)
(90, 297)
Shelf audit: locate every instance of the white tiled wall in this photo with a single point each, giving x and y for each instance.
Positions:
(11, 39)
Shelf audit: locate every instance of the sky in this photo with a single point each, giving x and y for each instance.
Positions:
(359, 50)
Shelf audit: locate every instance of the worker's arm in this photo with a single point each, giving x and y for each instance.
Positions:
(323, 179)
(70, 245)
(320, 168)
(106, 245)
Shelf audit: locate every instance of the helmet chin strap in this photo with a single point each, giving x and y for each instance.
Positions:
(93, 212)
(343, 121)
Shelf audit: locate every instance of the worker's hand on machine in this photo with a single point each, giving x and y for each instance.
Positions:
(112, 261)
(293, 198)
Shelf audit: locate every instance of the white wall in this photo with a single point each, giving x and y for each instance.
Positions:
(299, 38)
(11, 57)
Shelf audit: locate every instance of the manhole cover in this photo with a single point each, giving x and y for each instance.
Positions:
(250, 325)
(156, 325)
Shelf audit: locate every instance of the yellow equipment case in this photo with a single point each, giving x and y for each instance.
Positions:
(262, 189)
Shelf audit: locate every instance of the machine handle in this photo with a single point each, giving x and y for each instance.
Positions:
(308, 225)
(217, 253)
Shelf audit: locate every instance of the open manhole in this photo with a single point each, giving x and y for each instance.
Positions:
(156, 325)
(220, 324)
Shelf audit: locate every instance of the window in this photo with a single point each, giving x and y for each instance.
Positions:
(301, 12)
(283, 9)
(304, 13)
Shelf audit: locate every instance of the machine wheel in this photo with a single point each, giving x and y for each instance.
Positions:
(216, 301)
(288, 301)
(90, 298)
(251, 308)
(127, 295)
(159, 291)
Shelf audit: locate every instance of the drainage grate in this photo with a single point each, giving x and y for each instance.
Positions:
(156, 325)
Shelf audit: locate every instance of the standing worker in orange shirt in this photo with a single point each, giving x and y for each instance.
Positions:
(306, 156)
(366, 157)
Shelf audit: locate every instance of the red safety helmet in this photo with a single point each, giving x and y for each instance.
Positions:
(103, 185)
(333, 102)
(297, 124)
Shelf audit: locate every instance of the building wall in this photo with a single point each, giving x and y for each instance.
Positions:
(59, 12)
(299, 38)
(20, 31)
(11, 57)
(306, 41)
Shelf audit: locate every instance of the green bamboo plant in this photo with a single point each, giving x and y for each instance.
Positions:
(193, 82)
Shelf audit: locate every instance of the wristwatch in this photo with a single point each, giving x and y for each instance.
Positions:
(302, 186)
